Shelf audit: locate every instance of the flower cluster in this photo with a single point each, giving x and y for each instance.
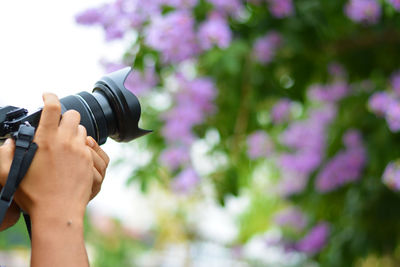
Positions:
(227, 7)
(138, 82)
(329, 93)
(265, 47)
(281, 111)
(315, 240)
(193, 102)
(281, 8)
(259, 145)
(185, 181)
(395, 4)
(346, 166)
(387, 104)
(391, 176)
(363, 11)
(214, 31)
(292, 218)
(173, 35)
(306, 139)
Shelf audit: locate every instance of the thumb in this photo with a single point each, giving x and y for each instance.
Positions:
(6, 157)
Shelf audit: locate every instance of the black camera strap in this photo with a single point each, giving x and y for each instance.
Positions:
(25, 150)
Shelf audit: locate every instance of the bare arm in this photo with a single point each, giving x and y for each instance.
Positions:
(66, 173)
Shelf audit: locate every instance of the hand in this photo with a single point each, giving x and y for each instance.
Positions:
(6, 157)
(100, 161)
(60, 178)
(12, 216)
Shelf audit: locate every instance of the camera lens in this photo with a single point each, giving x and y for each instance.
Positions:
(111, 111)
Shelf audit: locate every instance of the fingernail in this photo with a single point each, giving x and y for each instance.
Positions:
(8, 142)
(90, 142)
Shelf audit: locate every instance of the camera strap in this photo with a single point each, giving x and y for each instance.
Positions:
(25, 150)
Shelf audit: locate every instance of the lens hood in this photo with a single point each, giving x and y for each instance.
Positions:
(125, 107)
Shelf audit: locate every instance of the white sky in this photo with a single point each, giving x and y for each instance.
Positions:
(43, 49)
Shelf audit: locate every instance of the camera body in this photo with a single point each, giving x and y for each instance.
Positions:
(110, 111)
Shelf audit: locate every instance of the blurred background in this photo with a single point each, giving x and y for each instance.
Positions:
(276, 126)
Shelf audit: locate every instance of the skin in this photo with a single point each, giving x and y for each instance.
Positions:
(67, 171)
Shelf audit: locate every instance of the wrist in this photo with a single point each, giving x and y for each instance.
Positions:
(63, 215)
(57, 238)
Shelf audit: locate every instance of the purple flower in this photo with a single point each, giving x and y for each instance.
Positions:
(281, 111)
(259, 145)
(328, 93)
(173, 35)
(391, 176)
(291, 182)
(323, 115)
(199, 92)
(193, 102)
(306, 139)
(174, 157)
(345, 167)
(176, 132)
(303, 161)
(366, 11)
(214, 31)
(89, 17)
(112, 66)
(110, 16)
(281, 8)
(315, 240)
(186, 181)
(186, 114)
(265, 48)
(395, 82)
(140, 82)
(380, 101)
(291, 217)
(395, 4)
(393, 116)
(230, 7)
(303, 135)
(179, 3)
(352, 139)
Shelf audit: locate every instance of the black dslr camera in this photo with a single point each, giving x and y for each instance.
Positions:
(110, 111)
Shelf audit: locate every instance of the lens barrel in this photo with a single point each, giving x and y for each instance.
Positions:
(111, 111)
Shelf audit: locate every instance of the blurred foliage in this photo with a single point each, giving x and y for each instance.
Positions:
(363, 216)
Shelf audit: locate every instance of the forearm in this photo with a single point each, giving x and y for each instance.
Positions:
(57, 240)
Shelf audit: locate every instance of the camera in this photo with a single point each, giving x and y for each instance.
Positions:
(109, 111)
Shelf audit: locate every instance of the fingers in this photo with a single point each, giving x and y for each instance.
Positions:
(98, 162)
(69, 122)
(8, 147)
(82, 134)
(93, 144)
(6, 157)
(11, 217)
(51, 113)
(97, 181)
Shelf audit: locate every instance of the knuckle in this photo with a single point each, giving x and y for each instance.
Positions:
(82, 129)
(43, 144)
(72, 114)
(53, 107)
(107, 160)
(87, 155)
(66, 145)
